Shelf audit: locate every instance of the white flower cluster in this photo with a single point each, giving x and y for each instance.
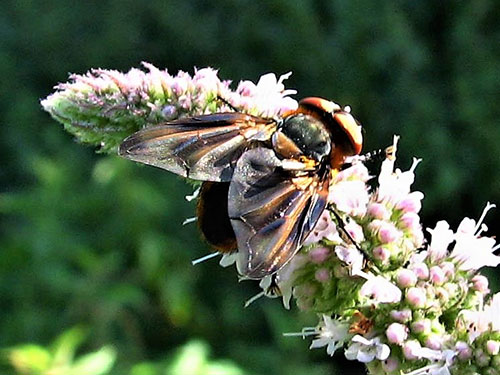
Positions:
(384, 295)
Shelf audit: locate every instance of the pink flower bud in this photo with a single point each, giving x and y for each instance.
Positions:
(375, 226)
(406, 278)
(448, 269)
(322, 275)
(355, 231)
(482, 359)
(411, 349)
(416, 297)
(340, 271)
(437, 275)
(246, 88)
(421, 270)
(464, 350)
(388, 233)
(421, 326)
(493, 347)
(378, 211)
(480, 283)
(434, 341)
(396, 333)
(442, 294)
(319, 254)
(410, 221)
(381, 253)
(391, 364)
(411, 203)
(401, 316)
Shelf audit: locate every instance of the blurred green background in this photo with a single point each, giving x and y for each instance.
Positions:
(95, 266)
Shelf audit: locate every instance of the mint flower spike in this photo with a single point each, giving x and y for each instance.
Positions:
(102, 107)
(402, 305)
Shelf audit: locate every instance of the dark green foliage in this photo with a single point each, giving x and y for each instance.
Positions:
(94, 240)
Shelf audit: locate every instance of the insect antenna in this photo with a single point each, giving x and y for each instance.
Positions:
(341, 224)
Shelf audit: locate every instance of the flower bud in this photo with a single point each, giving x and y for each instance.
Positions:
(355, 231)
(406, 278)
(319, 254)
(401, 316)
(480, 283)
(378, 211)
(421, 326)
(411, 348)
(464, 350)
(322, 275)
(391, 364)
(416, 297)
(448, 269)
(437, 275)
(482, 359)
(381, 253)
(411, 203)
(492, 347)
(421, 270)
(388, 233)
(396, 333)
(434, 341)
(410, 221)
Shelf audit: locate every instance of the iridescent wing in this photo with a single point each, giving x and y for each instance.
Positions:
(203, 148)
(272, 210)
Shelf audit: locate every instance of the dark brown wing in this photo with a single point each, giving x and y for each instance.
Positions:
(271, 211)
(201, 148)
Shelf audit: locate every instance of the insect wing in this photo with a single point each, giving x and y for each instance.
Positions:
(203, 148)
(271, 211)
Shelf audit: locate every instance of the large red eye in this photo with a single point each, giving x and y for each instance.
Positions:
(329, 111)
(351, 128)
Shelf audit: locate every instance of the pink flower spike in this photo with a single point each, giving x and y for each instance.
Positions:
(396, 333)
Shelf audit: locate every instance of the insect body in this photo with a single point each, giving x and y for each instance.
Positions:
(265, 180)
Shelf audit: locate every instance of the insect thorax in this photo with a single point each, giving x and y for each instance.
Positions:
(308, 134)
